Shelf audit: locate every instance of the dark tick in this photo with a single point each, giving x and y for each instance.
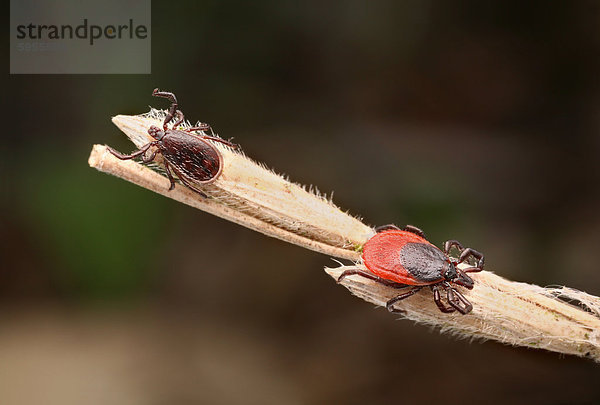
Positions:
(403, 258)
(189, 155)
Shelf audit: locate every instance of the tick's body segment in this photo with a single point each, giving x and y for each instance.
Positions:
(190, 156)
(403, 258)
(194, 157)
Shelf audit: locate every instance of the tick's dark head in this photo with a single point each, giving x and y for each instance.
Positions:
(458, 277)
(156, 132)
(449, 271)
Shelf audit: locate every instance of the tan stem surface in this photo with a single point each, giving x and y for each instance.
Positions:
(101, 159)
(514, 313)
(249, 194)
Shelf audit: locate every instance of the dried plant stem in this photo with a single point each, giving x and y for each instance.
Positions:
(249, 194)
(104, 161)
(518, 314)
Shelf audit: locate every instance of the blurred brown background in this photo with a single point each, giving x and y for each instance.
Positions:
(474, 120)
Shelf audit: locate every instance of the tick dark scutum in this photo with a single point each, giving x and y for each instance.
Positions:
(191, 156)
(424, 262)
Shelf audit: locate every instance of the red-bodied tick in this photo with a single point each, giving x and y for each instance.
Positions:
(190, 156)
(403, 258)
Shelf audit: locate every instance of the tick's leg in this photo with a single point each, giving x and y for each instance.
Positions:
(188, 184)
(465, 254)
(148, 159)
(458, 301)
(463, 279)
(390, 304)
(223, 141)
(170, 176)
(468, 252)
(206, 127)
(179, 118)
(415, 230)
(389, 227)
(135, 154)
(165, 94)
(437, 298)
(449, 244)
(171, 97)
(407, 228)
(201, 127)
(370, 276)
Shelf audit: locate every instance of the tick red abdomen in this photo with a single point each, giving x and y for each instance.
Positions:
(382, 256)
